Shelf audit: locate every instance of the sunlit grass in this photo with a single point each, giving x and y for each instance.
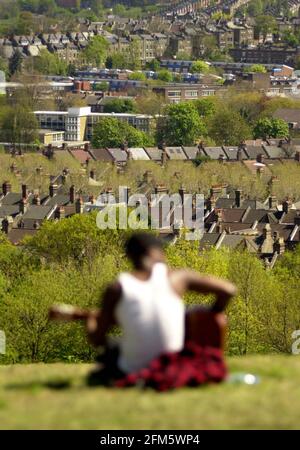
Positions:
(55, 396)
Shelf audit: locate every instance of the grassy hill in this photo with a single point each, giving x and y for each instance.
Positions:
(54, 396)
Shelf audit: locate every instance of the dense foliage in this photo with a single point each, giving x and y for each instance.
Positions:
(72, 261)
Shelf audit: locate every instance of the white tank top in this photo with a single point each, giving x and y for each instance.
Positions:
(151, 315)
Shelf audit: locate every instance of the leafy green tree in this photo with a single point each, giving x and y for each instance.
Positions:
(255, 8)
(227, 127)
(150, 103)
(19, 126)
(47, 63)
(181, 125)
(249, 105)
(165, 75)
(271, 127)
(133, 55)
(103, 86)
(265, 24)
(96, 51)
(153, 65)
(200, 67)
(258, 68)
(116, 60)
(139, 76)
(290, 38)
(111, 132)
(206, 106)
(119, 105)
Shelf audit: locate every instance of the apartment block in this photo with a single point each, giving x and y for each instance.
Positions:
(78, 123)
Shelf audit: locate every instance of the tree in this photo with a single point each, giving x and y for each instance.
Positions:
(111, 132)
(19, 126)
(165, 75)
(119, 105)
(200, 67)
(150, 103)
(153, 65)
(255, 8)
(181, 125)
(48, 63)
(103, 86)
(206, 106)
(133, 55)
(265, 24)
(116, 60)
(290, 38)
(271, 128)
(227, 127)
(249, 104)
(257, 68)
(96, 51)
(15, 62)
(139, 76)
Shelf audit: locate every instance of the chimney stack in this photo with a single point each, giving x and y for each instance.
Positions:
(23, 206)
(272, 202)
(260, 158)
(238, 198)
(297, 219)
(36, 200)
(53, 188)
(239, 155)
(182, 192)
(6, 188)
(211, 203)
(60, 212)
(6, 225)
(279, 246)
(267, 231)
(79, 206)
(72, 194)
(286, 206)
(24, 191)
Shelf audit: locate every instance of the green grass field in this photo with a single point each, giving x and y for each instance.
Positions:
(30, 398)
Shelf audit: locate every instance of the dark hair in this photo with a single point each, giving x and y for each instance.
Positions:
(139, 244)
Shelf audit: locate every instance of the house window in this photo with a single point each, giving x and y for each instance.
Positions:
(191, 94)
(174, 93)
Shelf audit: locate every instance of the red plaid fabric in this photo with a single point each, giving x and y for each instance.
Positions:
(192, 366)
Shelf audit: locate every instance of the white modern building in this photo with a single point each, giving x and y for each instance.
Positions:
(78, 123)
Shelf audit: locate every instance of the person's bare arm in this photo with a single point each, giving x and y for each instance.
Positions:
(99, 324)
(188, 280)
